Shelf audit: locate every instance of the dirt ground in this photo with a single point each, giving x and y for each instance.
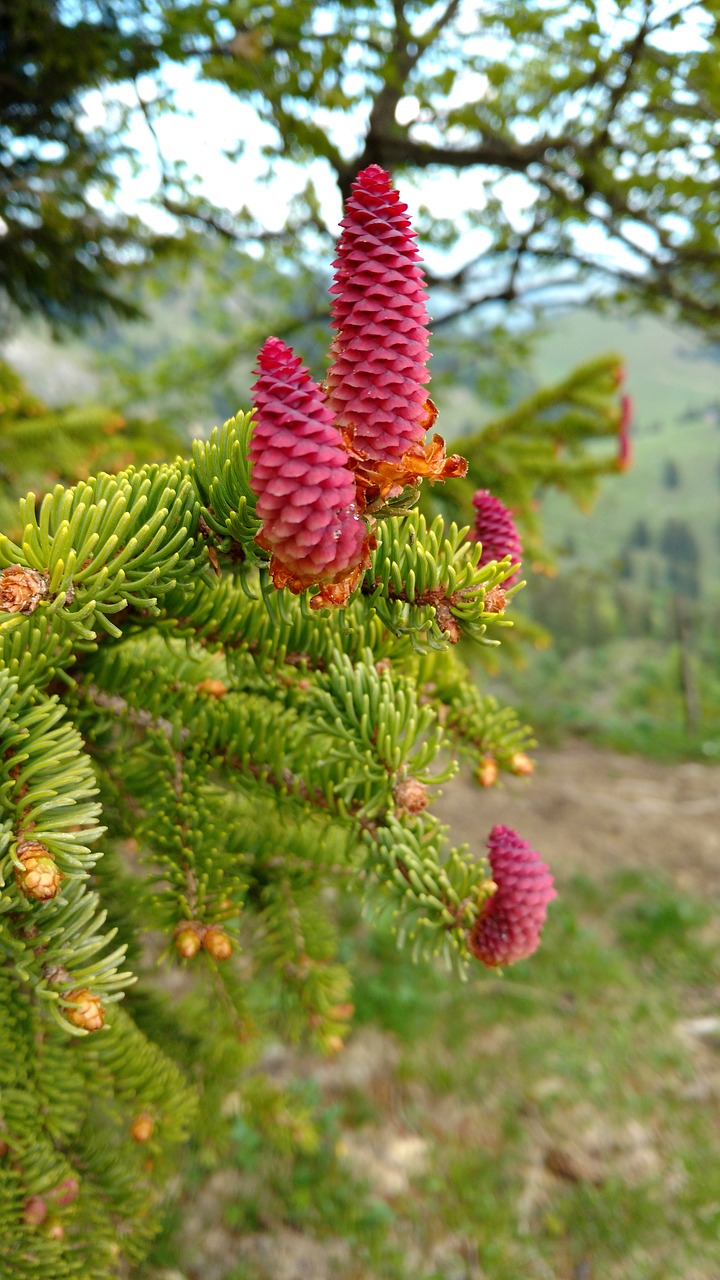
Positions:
(592, 811)
(586, 811)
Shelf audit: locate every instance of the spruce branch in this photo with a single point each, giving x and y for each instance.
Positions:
(246, 664)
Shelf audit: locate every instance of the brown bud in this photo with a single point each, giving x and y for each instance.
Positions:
(39, 878)
(447, 621)
(411, 796)
(56, 974)
(87, 1012)
(487, 771)
(55, 1231)
(342, 1011)
(188, 939)
(213, 688)
(495, 600)
(522, 764)
(141, 1129)
(34, 1211)
(217, 943)
(21, 590)
(66, 1191)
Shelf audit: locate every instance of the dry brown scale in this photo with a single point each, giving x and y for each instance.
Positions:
(411, 796)
(21, 589)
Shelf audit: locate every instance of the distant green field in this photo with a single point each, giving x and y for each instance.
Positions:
(674, 380)
(669, 370)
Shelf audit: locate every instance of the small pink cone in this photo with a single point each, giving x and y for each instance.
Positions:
(624, 458)
(509, 925)
(495, 528)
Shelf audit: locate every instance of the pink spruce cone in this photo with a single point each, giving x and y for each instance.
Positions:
(509, 926)
(624, 458)
(495, 529)
(305, 488)
(376, 385)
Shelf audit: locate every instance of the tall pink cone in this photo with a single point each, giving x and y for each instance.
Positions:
(300, 473)
(509, 925)
(376, 385)
(495, 528)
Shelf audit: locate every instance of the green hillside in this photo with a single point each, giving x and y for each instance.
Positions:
(674, 380)
(670, 370)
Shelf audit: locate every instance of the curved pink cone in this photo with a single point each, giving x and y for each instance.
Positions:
(376, 385)
(495, 528)
(300, 473)
(509, 926)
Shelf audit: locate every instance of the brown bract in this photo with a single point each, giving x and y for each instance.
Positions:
(34, 1211)
(21, 589)
(521, 764)
(376, 481)
(331, 594)
(495, 600)
(212, 688)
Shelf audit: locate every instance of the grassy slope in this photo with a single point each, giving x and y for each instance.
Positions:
(568, 1119)
(669, 373)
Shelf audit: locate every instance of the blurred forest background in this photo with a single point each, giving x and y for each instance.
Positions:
(170, 187)
(173, 175)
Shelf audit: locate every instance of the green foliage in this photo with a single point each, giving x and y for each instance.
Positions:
(67, 1147)
(62, 250)
(246, 753)
(39, 445)
(546, 442)
(626, 691)
(606, 110)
